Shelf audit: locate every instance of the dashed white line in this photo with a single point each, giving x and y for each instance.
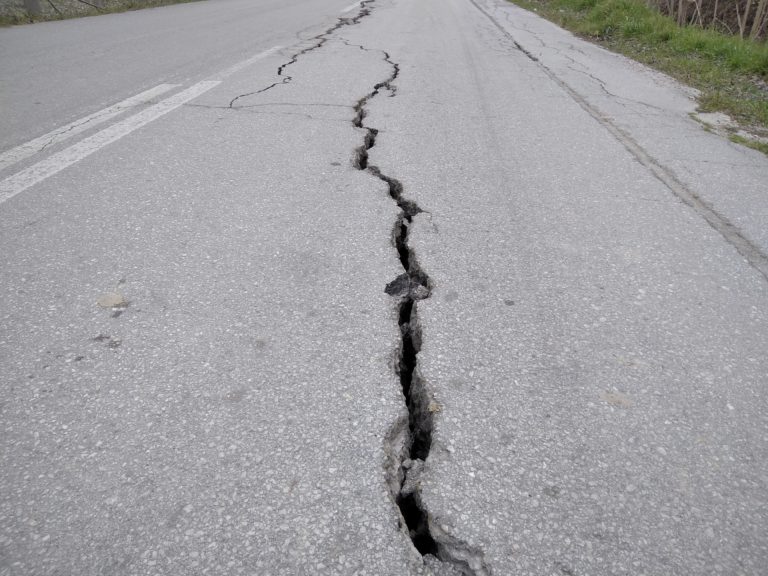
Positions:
(13, 185)
(247, 62)
(19, 153)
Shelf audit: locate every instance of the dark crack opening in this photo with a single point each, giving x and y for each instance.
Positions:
(410, 287)
(418, 526)
(419, 417)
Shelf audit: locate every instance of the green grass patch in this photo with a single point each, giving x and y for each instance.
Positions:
(731, 73)
(761, 146)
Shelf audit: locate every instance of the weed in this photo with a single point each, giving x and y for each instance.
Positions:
(757, 145)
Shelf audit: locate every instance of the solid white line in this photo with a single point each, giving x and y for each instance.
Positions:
(10, 157)
(49, 166)
(351, 7)
(247, 62)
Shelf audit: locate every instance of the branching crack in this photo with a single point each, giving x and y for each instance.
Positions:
(236, 98)
(415, 439)
(411, 441)
(319, 41)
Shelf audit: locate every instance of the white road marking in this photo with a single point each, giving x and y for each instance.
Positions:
(55, 163)
(14, 155)
(247, 62)
(351, 7)
(16, 183)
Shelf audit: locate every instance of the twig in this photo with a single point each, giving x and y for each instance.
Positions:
(54, 8)
(89, 4)
(761, 16)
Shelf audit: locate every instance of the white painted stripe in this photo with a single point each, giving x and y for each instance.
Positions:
(49, 166)
(14, 155)
(23, 151)
(351, 7)
(247, 62)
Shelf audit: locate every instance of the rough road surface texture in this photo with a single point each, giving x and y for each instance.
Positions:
(396, 287)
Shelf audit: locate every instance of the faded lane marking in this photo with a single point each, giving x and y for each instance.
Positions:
(23, 151)
(247, 62)
(55, 163)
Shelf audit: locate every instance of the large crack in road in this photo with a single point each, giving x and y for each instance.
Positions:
(411, 441)
(410, 287)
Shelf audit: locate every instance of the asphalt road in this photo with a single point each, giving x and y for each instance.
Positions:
(55, 72)
(395, 288)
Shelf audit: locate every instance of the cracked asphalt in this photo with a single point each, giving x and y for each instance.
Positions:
(396, 287)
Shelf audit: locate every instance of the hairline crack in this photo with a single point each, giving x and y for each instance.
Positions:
(320, 40)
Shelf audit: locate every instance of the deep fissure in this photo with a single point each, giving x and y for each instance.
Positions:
(410, 287)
